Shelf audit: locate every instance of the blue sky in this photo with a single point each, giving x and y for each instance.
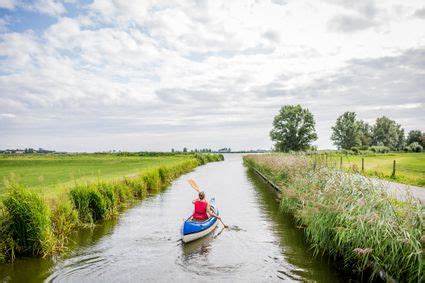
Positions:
(156, 75)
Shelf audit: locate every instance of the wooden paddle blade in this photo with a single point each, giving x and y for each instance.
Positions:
(193, 185)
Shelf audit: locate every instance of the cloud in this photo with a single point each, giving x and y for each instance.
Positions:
(7, 4)
(348, 23)
(420, 13)
(120, 74)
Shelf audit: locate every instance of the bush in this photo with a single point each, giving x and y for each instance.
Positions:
(407, 148)
(415, 147)
(347, 152)
(364, 147)
(355, 149)
(28, 224)
(380, 149)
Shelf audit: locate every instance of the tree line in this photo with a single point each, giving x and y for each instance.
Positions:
(294, 130)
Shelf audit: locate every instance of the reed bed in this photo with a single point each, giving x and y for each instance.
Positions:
(349, 217)
(31, 225)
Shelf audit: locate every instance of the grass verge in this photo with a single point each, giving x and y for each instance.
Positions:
(348, 217)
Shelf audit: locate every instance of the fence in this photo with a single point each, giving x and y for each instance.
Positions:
(338, 161)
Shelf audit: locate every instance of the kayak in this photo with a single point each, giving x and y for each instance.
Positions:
(193, 230)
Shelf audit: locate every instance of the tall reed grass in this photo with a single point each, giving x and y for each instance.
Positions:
(29, 225)
(349, 217)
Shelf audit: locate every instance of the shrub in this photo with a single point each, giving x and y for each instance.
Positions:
(347, 152)
(355, 149)
(29, 223)
(380, 149)
(407, 148)
(415, 147)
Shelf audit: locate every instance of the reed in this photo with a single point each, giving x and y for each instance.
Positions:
(349, 217)
(27, 225)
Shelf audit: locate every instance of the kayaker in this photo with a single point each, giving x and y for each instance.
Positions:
(202, 208)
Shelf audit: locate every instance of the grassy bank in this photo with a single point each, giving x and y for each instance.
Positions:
(410, 167)
(348, 217)
(36, 222)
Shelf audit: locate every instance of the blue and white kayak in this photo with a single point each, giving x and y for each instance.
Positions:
(193, 230)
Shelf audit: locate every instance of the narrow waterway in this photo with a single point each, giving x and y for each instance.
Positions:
(262, 244)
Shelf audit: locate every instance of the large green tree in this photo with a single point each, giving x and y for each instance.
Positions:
(365, 133)
(414, 136)
(346, 132)
(387, 132)
(293, 128)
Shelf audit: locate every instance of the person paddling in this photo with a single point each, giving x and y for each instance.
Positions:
(202, 210)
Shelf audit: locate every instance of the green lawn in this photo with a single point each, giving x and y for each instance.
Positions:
(51, 173)
(410, 167)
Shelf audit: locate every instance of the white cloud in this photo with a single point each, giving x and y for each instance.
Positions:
(7, 4)
(161, 72)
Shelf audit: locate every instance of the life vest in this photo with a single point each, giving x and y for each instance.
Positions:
(200, 212)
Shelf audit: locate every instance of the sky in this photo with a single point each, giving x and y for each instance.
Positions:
(155, 75)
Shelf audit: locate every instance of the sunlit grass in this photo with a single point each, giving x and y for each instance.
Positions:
(54, 173)
(410, 167)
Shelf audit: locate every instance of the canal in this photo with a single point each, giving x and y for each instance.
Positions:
(261, 244)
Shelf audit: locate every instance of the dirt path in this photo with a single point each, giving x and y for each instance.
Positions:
(402, 191)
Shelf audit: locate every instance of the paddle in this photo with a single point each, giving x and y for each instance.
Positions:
(195, 186)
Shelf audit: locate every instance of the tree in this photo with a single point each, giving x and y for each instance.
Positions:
(414, 136)
(386, 132)
(365, 133)
(184, 149)
(401, 142)
(293, 128)
(346, 132)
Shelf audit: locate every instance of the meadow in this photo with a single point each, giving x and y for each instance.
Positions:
(410, 167)
(48, 174)
(347, 217)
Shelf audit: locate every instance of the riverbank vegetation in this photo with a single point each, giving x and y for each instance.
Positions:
(349, 217)
(37, 222)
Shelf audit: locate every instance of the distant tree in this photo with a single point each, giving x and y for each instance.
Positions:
(184, 149)
(172, 150)
(365, 133)
(401, 142)
(293, 128)
(414, 136)
(346, 132)
(423, 140)
(386, 133)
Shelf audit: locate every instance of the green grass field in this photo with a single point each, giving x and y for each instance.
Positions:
(410, 167)
(51, 173)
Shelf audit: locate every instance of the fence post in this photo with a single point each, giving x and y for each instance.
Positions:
(393, 174)
(340, 162)
(326, 159)
(362, 164)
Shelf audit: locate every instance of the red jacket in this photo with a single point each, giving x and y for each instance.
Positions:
(200, 212)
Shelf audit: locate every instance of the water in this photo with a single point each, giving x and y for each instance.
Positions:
(262, 244)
